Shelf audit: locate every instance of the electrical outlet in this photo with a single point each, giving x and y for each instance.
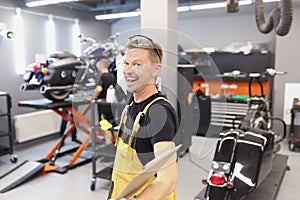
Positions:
(2, 26)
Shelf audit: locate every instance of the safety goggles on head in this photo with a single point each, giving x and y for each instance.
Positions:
(145, 42)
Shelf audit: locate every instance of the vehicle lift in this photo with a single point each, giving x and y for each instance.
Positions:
(77, 119)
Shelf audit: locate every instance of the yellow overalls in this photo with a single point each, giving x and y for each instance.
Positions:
(127, 164)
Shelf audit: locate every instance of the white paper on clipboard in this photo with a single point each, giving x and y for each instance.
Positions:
(148, 172)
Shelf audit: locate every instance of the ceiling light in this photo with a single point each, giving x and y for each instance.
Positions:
(266, 1)
(208, 6)
(217, 5)
(45, 2)
(183, 8)
(118, 15)
(179, 9)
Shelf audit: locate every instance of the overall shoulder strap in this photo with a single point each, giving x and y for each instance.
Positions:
(136, 124)
(153, 101)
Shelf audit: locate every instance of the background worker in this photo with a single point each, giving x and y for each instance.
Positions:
(63, 127)
(157, 126)
(104, 80)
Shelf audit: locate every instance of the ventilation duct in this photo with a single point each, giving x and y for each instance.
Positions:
(279, 19)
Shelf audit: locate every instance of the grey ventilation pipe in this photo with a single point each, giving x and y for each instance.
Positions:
(280, 20)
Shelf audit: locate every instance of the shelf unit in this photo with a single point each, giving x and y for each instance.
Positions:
(5, 112)
(102, 152)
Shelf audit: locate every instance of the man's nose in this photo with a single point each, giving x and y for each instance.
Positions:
(128, 68)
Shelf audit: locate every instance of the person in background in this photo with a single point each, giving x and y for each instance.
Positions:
(63, 127)
(105, 79)
(148, 125)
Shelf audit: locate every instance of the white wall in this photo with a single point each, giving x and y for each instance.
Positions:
(287, 59)
(220, 31)
(212, 28)
(35, 42)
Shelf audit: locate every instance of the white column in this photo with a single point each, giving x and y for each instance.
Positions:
(159, 21)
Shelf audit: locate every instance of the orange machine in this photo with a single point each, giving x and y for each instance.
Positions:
(241, 87)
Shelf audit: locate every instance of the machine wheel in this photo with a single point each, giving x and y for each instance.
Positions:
(92, 187)
(57, 95)
(13, 158)
(276, 148)
(292, 146)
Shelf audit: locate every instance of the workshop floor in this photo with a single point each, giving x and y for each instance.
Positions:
(75, 184)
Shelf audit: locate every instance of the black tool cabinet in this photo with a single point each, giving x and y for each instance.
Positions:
(294, 136)
(6, 128)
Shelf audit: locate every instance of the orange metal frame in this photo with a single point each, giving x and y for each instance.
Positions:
(75, 118)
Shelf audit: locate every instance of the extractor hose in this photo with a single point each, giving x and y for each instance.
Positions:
(280, 20)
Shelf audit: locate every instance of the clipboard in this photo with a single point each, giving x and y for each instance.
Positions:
(148, 172)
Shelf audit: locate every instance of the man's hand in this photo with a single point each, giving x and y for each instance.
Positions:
(89, 98)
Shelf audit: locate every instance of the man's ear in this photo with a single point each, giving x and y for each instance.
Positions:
(157, 69)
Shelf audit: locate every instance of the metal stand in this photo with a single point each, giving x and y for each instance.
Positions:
(7, 149)
(76, 119)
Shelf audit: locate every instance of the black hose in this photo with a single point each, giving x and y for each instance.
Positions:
(279, 19)
(284, 126)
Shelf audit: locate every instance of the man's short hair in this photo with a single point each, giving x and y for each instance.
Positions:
(103, 62)
(143, 42)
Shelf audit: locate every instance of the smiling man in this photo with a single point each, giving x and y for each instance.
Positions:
(148, 125)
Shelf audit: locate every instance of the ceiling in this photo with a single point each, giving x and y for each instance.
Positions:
(96, 7)
(115, 6)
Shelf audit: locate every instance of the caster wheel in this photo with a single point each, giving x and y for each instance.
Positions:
(276, 148)
(13, 158)
(92, 187)
(291, 146)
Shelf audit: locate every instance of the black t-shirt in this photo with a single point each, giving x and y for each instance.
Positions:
(105, 80)
(159, 124)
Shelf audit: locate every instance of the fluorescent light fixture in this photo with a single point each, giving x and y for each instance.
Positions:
(45, 2)
(118, 15)
(208, 6)
(76, 39)
(245, 2)
(50, 35)
(183, 8)
(266, 1)
(19, 42)
(179, 9)
(217, 5)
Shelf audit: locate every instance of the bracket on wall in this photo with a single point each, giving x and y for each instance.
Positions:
(4, 32)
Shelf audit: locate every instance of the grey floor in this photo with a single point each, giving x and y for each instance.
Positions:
(75, 184)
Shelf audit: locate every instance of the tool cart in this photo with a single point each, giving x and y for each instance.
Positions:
(102, 153)
(6, 129)
(294, 137)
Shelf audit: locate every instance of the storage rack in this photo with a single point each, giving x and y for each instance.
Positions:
(102, 152)
(7, 149)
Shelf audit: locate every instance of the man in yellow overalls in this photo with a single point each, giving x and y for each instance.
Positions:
(148, 125)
